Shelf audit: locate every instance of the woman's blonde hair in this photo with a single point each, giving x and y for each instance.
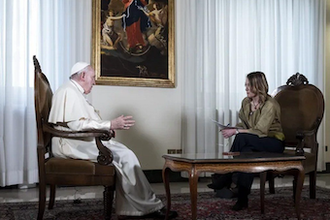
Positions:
(259, 85)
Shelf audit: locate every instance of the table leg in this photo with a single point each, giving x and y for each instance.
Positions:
(263, 176)
(299, 186)
(166, 181)
(193, 180)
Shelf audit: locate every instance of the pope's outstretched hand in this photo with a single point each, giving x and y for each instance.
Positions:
(122, 122)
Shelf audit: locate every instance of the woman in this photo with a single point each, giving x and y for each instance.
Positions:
(260, 129)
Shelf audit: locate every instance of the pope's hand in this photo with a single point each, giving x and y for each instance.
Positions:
(122, 122)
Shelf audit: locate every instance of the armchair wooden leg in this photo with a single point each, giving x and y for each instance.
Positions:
(262, 191)
(312, 185)
(108, 195)
(42, 200)
(294, 185)
(271, 182)
(52, 196)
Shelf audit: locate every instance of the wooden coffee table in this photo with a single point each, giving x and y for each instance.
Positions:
(250, 162)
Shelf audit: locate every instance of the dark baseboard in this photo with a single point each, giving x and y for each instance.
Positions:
(155, 176)
(9, 187)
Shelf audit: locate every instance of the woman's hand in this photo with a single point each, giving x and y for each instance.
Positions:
(227, 133)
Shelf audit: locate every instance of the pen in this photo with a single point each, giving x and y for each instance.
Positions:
(225, 127)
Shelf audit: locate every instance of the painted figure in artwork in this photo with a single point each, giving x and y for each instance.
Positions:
(134, 32)
(135, 26)
(135, 22)
(110, 36)
(158, 17)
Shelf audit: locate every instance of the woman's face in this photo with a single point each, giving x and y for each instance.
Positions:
(249, 93)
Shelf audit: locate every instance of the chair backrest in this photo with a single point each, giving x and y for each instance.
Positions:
(302, 108)
(43, 101)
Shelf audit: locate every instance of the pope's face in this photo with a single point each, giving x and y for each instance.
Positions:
(249, 93)
(89, 80)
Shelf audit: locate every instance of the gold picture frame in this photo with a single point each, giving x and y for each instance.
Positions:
(126, 52)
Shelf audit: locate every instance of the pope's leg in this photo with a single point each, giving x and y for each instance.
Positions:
(134, 195)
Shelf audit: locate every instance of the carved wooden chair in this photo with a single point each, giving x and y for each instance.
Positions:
(69, 172)
(302, 108)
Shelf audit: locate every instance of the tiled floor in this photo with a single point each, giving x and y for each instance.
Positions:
(69, 193)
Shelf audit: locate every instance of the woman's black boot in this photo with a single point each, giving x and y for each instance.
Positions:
(220, 181)
(241, 204)
(242, 201)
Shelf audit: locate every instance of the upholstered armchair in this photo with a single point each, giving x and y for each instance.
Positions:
(302, 108)
(69, 172)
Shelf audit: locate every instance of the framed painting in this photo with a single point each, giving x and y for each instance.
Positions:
(133, 42)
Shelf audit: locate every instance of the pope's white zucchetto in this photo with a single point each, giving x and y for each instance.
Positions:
(78, 66)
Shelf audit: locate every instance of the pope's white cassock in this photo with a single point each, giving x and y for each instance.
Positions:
(134, 195)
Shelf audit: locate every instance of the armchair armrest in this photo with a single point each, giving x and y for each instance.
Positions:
(311, 135)
(105, 156)
(300, 135)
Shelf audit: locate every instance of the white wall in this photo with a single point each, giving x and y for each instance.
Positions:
(326, 118)
(157, 112)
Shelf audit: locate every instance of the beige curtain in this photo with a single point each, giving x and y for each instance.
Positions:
(58, 32)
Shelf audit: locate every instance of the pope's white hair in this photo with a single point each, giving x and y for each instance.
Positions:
(77, 74)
